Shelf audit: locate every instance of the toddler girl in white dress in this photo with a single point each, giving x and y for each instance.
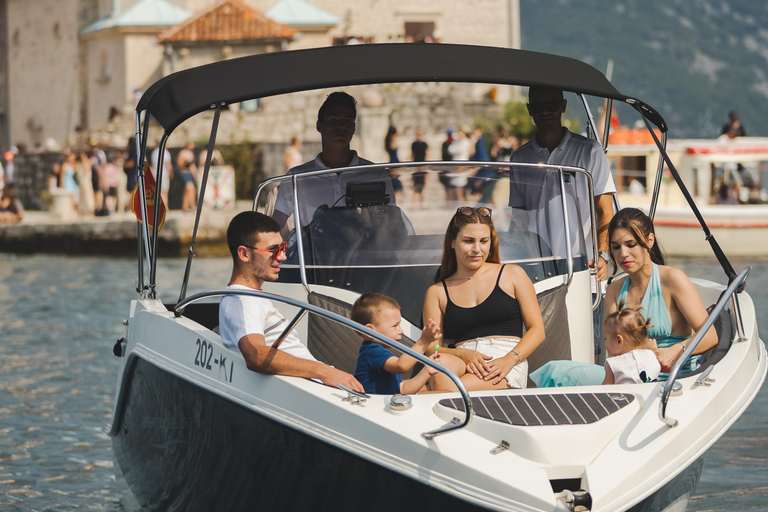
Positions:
(631, 358)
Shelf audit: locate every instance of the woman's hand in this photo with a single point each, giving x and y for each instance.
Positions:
(477, 363)
(500, 367)
(669, 355)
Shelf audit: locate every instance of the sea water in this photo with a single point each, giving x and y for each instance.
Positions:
(60, 317)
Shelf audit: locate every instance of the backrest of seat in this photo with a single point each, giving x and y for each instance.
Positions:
(557, 340)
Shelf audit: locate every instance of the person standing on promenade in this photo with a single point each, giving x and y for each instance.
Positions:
(554, 144)
(86, 203)
(165, 186)
(419, 153)
(185, 163)
(292, 156)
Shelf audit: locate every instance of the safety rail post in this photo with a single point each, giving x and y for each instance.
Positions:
(729, 292)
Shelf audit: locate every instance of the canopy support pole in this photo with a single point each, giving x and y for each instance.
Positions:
(201, 197)
(709, 237)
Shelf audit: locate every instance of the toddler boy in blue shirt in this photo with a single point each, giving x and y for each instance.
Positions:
(377, 369)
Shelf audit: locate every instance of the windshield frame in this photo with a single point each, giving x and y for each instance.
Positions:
(561, 170)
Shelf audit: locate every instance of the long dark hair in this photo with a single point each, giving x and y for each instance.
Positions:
(448, 263)
(640, 226)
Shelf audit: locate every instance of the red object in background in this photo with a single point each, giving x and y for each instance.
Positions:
(151, 186)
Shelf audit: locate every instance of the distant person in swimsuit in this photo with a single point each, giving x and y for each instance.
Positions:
(667, 296)
(481, 306)
(631, 359)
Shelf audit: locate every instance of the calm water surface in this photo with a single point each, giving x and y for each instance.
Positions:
(59, 318)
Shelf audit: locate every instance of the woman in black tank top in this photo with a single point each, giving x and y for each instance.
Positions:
(481, 304)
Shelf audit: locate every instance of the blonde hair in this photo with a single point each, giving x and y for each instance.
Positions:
(367, 307)
(630, 322)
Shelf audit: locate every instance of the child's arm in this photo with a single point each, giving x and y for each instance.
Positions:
(402, 364)
(608, 375)
(414, 385)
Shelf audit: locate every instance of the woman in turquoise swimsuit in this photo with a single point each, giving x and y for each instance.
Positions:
(666, 294)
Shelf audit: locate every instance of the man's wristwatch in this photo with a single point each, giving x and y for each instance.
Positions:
(605, 256)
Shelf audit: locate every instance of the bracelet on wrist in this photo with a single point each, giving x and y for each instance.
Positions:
(519, 359)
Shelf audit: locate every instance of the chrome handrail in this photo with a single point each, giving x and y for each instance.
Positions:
(722, 301)
(178, 308)
(568, 248)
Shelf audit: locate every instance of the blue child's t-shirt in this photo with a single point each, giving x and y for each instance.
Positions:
(370, 373)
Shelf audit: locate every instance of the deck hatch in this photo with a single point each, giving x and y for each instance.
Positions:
(539, 410)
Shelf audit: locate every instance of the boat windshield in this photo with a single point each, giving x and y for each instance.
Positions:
(381, 228)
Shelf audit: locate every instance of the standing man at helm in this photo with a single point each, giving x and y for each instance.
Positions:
(336, 124)
(556, 145)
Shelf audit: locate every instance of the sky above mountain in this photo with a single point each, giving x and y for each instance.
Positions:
(692, 60)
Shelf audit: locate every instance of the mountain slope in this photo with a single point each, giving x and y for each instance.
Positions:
(693, 60)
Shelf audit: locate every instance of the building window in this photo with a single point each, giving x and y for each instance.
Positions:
(419, 32)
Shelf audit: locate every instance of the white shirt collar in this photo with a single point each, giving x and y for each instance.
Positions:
(561, 146)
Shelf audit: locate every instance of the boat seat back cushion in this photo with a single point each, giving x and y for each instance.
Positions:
(726, 331)
(331, 342)
(557, 340)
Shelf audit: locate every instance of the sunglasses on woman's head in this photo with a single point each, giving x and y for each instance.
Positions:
(275, 251)
(469, 210)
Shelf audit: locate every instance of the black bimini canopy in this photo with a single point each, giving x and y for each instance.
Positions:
(181, 95)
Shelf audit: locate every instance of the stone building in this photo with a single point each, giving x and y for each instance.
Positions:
(71, 66)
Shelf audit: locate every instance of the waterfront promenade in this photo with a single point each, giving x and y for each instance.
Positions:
(115, 235)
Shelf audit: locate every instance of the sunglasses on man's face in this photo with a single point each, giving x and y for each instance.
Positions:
(469, 210)
(275, 251)
(540, 107)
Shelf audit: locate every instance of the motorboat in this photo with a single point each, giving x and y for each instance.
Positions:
(728, 179)
(194, 429)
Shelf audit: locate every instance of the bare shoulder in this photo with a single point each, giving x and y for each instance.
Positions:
(435, 292)
(615, 286)
(515, 272)
(673, 278)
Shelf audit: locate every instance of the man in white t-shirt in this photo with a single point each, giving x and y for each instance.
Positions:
(554, 144)
(253, 324)
(336, 124)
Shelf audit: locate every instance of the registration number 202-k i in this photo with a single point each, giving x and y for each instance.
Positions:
(206, 359)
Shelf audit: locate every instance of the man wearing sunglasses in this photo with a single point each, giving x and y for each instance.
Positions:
(336, 125)
(554, 144)
(252, 325)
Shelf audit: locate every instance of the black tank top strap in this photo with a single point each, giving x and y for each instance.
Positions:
(498, 279)
(445, 286)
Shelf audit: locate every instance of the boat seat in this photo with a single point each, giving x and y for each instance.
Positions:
(331, 342)
(204, 313)
(557, 340)
(726, 331)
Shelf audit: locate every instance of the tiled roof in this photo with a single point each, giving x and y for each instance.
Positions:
(145, 13)
(227, 20)
(301, 13)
